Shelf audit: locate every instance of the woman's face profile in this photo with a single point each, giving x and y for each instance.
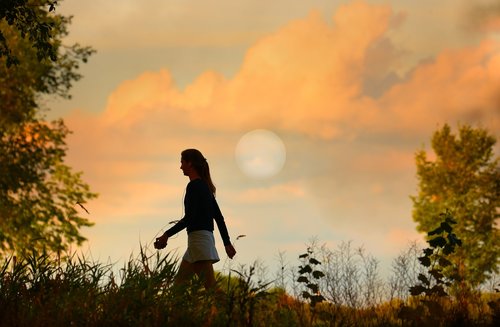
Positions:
(186, 167)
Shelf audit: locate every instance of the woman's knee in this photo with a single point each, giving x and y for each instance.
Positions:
(205, 270)
(203, 267)
(186, 270)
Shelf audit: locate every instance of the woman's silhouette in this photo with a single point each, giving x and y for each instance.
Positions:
(201, 209)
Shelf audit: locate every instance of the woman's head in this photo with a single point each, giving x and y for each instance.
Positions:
(200, 164)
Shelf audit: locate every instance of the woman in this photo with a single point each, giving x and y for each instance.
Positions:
(201, 209)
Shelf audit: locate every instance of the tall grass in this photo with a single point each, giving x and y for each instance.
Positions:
(43, 290)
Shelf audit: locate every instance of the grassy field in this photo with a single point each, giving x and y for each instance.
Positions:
(341, 287)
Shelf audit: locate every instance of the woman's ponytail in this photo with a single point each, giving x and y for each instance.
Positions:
(200, 164)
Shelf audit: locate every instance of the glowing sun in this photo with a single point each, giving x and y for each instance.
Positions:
(260, 154)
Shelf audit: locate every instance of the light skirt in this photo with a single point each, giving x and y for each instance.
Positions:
(201, 246)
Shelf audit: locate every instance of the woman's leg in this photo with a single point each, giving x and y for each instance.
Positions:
(186, 271)
(205, 272)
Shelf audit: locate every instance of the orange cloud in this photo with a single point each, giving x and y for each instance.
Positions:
(134, 100)
(310, 77)
(459, 85)
(302, 78)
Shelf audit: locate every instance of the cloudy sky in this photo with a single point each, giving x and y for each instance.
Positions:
(351, 88)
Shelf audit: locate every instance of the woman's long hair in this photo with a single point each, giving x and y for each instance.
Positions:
(200, 164)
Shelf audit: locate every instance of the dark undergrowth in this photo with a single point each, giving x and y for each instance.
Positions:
(325, 288)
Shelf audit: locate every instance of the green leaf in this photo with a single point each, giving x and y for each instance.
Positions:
(425, 261)
(417, 290)
(313, 287)
(448, 249)
(305, 270)
(443, 262)
(314, 261)
(428, 252)
(436, 231)
(318, 274)
(454, 240)
(423, 279)
(446, 227)
(303, 279)
(437, 242)
(436, 274)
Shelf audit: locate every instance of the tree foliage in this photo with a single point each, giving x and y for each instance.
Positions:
(39, 193)
(23, 84)
(30, 19)
(464, 178)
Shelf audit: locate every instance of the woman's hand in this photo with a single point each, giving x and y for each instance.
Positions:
(230, 251)
(161, 242)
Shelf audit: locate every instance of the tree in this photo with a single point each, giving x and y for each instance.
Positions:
(40, 196)
(29, 18)
(464, 178)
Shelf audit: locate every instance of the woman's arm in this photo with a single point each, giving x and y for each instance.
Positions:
(183, 223)
(221, 224)
(180, 225)
(161, 242)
